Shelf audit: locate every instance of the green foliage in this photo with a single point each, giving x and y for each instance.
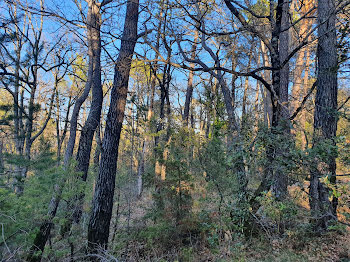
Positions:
(210, 228)
(214, 161)
(281, 213)
(22, 214)
(260, 7)
(6, 112)
(175, 191)
(159, 233)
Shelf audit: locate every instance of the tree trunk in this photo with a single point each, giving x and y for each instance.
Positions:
(60, 137)
(42, 236)
(190, 83)
(98, 146)
(300, 82)
(297, 90)
(147, 139)
(102, 205)
(246, 85)
(280, 123)
(232, 121)
(305, 91)
(18, 106)
(93, 119)
(2, 166)
(160, 151)
(266, 93)
(141, 169)
(88, 131)
(323, 210)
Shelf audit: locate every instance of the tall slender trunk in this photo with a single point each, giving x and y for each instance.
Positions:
(147, 139)
(300, 86)
(18, 105)
(2, 166)
(30, 119)
(297, 90)
(102, 205)
(275, 177)
(324, 210)
(88, 131)
(256, 107)
(161, 152)
(300, 64)
(42, 236)
(61, 137)
(58, 120)
(190, 83)
(266, 93)
(234, 76)
(151, 92)
(93, 119)
(98, 146)
(246, 85)
(280, 124)
(305, 91)
(141, 169)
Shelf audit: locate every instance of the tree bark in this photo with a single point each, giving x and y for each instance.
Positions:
(102, 205)
(88, 131)
(93, 119)
(98, 146)
(266, 93)
(280, 121)
(305, 91)
(190, 83)
(323, 210)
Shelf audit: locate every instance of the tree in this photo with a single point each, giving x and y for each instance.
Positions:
(190, 83)
(83, 156)
(102, 205)
(22, 80)
(94, 22)
(323, 210)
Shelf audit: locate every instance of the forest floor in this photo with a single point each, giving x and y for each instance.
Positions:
(296, 243)
(330, 247)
